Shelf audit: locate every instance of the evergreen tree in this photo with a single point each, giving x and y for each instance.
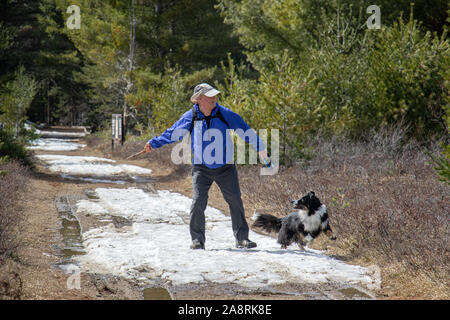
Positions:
(17, 99)
(37, 43)
(166, 34)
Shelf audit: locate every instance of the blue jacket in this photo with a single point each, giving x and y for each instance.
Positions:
(216, 148)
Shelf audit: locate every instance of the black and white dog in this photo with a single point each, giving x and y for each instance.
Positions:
(306, 223)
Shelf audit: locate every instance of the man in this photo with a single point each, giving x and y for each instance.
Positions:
(207, 118)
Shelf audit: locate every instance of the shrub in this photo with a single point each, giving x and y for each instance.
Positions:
(405, 72)
(161, 99)
(11, 148)
(348, 80)
(442, 163)
(16, 100)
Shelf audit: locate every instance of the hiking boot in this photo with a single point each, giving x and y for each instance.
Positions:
(245, 244)
(197, 245)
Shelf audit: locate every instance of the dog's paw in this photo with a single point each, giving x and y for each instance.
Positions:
(255, 216)
(330, 235)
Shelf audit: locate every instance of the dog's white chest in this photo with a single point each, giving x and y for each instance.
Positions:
(312, 223)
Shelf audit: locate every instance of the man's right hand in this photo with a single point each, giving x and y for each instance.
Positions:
(148, 147)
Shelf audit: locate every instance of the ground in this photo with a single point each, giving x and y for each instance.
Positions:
(43, 240)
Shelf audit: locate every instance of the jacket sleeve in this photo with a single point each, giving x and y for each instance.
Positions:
(175, 133)
(243, 130)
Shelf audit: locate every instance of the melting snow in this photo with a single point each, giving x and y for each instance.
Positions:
(78, 165)
(53, 144)
(59, 134)
(157, 245)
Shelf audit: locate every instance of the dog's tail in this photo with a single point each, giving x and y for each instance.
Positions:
(266, 222)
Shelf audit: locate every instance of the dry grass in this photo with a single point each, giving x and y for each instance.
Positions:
(11, 185)
(385, 202)
(161, 155)
(10, 218)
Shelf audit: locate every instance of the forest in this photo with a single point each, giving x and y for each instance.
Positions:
(300, 66)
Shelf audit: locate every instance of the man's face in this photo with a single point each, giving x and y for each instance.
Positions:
(207, 101)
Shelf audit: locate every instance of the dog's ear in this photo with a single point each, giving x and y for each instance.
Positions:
(311, 194)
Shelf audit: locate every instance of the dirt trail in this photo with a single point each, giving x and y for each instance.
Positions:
(43, 243)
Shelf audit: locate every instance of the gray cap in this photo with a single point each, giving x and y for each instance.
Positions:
(205, 89)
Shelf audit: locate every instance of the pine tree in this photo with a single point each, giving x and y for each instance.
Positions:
(17, 99)
(37, 44)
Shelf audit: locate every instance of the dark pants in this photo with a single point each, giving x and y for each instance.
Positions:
(226, 178)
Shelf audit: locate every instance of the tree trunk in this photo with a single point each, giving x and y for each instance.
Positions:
(48, 103)
(129, 83)
(124, 123)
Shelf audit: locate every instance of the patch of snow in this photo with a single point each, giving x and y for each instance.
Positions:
(90, 207)
(59, 134)
(79, 165)
(53, 144)
(157, 245)
(63, 159)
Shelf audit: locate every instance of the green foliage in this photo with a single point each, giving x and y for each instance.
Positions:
(167, 97)
(287, 98)
(168, 36)
(405, 70)
(37, 43)
(3, 161)
(4, 37)
(11, 148)
(171, 100)
(16, 100)
(339, 62)
(187, 33)
(432, 14)
(442, 164)
(266, 27)
(309, 65)
(103, 42)
(348, 79)
(238, 91)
